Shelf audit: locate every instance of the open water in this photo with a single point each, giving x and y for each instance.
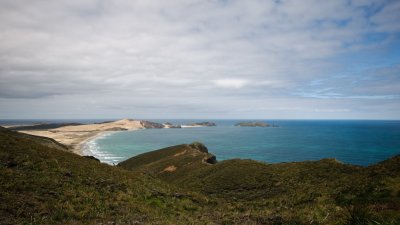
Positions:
(355, 142)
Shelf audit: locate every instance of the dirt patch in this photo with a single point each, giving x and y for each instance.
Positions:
(180, 153)
(170, 169)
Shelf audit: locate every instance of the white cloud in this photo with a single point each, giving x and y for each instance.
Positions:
(231, 83)
(179, 52)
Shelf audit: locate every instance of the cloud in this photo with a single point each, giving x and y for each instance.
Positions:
(230, 83)
(374, 83)
(195, 54)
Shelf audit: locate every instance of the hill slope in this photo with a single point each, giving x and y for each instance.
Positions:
(171, 163)
(324, 191)
(44, 185)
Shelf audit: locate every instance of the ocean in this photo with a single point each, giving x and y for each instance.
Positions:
(355, 142)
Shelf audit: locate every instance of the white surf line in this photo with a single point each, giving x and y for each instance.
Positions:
(91, 148)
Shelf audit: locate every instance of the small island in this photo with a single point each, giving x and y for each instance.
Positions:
(253, 124)
(202, 124)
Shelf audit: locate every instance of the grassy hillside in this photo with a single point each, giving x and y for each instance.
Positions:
(44, 126)
(171, 163)
(40, 140)
(42, 185)
(321, 192)
(184, 184)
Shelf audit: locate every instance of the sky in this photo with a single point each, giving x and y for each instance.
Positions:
(282, 59)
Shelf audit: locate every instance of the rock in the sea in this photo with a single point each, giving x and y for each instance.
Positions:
(253, 124)
(205, 124)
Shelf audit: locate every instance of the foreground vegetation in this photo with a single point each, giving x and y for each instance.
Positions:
(40, 183)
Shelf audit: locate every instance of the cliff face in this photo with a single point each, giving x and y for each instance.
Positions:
(150, 125)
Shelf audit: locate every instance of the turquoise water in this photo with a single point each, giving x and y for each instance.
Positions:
(355, 142)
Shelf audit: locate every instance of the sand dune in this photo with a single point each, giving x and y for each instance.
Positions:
(75, 136)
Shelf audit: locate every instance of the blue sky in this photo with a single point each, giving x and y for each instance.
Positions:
(285, 59)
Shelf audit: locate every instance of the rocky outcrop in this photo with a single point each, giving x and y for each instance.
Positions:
(253, 124)
(149, 125)
(199, 147)
(170, 125)
(210, 159)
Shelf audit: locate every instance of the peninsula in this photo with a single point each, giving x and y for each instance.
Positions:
(74, 135)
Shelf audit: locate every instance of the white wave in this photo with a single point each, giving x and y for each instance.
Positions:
(91, 148)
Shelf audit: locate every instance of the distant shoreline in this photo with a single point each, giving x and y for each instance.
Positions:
(80, 148)
(76, 136)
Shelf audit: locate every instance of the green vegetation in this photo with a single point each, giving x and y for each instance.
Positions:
(320, 192)
(39, 140)
(171, 163)
(44, 126)
(42, 185)
(184, 184)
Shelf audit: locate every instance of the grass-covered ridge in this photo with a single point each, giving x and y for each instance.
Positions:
(185, 185)
(321, 192)
(42, 185)
(171, 163)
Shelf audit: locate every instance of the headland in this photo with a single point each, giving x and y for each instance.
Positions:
(75, 135)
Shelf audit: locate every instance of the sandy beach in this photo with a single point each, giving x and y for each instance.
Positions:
(76, 136)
